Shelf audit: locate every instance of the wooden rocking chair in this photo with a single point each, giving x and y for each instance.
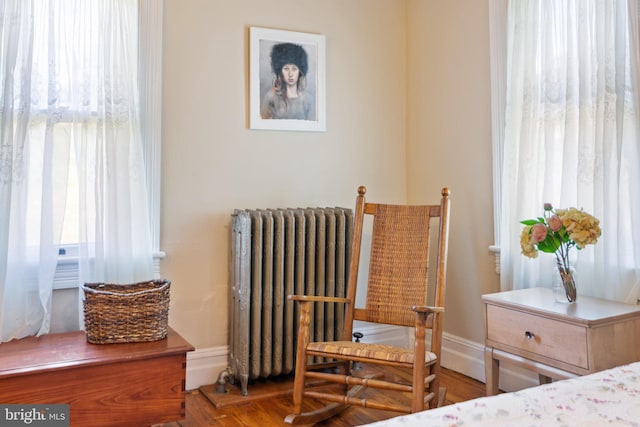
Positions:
(396, 295)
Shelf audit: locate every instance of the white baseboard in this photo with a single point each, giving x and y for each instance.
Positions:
(464, 356)
(204, 365)
(467, 357)
(382, 334)
(458, 354)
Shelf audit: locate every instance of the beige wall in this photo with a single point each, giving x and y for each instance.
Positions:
(449, 143)
(407, 112)
(212, 162)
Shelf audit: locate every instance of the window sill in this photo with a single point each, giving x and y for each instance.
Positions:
(67, 275)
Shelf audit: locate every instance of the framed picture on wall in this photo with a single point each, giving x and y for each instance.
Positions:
(286, 80)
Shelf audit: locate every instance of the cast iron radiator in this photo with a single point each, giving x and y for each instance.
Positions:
(275, 253)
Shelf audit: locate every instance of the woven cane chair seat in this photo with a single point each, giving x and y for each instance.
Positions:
(368, 352)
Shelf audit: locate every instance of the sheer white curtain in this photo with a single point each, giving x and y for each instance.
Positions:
(72, 171)
(572, 137)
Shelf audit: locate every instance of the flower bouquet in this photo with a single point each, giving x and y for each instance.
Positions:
(557, 232)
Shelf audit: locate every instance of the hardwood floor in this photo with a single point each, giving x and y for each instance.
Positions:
(271, 410)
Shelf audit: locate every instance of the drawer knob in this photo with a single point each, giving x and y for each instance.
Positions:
(529, 335)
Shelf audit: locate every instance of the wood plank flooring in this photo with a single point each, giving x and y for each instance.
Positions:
(270, 410)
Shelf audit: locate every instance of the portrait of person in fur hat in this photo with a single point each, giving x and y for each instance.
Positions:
(288, 98)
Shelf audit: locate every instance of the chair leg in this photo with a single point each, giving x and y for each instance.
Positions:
(298, 389)
(419, 368)
(442, 395)
(418, 394)
(301, 356)
(438, 392)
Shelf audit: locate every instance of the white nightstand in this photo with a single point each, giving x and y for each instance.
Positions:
(556, 340)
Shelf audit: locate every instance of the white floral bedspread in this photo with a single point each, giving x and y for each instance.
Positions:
(607, 398)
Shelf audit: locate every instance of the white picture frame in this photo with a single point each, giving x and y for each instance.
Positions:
(311, 47)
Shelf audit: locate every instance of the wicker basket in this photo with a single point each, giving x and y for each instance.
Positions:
(135, 312)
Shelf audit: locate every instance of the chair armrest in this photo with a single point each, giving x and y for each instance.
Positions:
(427, 309)
(316, 298)
(425, 315)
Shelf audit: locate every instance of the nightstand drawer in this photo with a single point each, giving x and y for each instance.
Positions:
(537, 335)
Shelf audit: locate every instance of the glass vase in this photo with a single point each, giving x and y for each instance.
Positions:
(564, 284)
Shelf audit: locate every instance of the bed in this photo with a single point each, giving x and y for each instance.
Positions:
(606, 398)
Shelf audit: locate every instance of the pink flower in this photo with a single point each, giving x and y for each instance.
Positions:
(555, 223)
(538, 233)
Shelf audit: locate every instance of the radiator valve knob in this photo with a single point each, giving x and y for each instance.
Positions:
(356, 365)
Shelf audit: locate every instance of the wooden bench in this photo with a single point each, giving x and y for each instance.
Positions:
(133, 384)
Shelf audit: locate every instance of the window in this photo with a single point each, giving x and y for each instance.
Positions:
(566, 122)
(149, 70)
(79, 159)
